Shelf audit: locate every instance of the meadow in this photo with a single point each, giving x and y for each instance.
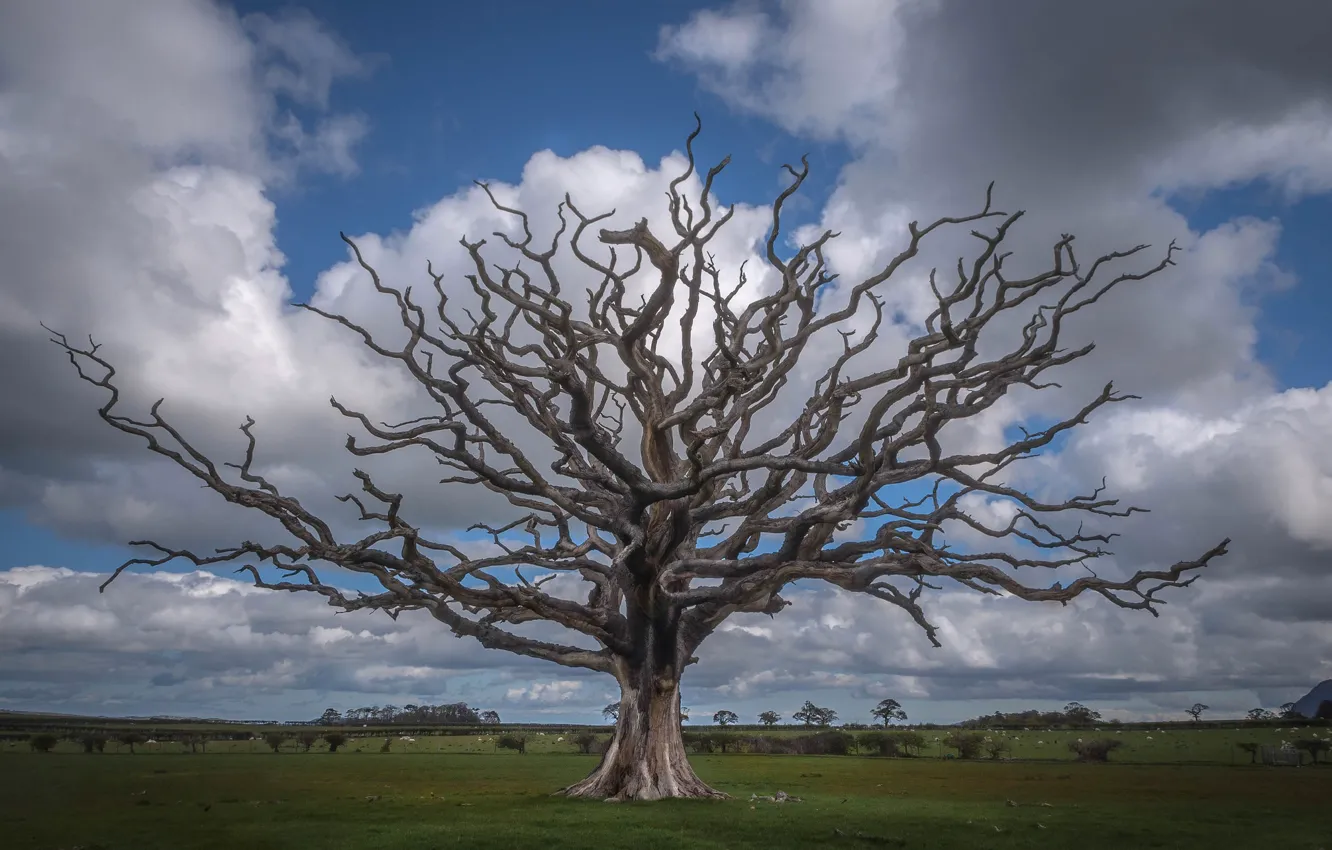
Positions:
(442, 796)
(1167, 744)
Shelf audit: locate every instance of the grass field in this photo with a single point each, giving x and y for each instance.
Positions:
(1157, 746)
(120, 802)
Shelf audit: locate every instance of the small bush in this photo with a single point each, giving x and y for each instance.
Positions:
(585, 741)
(1098, 750)
(43, 743)
(699, 742)
(1250, 747)
(878, 743)
(386, 746)
(335, 740)
(306, 740)
(967, 744)
(767, 745)
(996, 748)
(511, 742)
(824, 744)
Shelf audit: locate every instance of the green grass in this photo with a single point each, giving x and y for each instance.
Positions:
(118, 802)
(1169, 745)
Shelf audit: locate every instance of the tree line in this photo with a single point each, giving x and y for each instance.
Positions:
(451, 714)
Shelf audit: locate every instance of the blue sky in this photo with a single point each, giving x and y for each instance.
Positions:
(441, 94)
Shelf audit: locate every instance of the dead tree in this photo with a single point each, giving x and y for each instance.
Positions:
(718, 508)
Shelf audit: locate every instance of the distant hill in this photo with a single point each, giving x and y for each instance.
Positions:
(1308, 704)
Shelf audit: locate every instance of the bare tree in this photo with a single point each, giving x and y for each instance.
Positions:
(889, 710)
(712, 486)
(1195, 711)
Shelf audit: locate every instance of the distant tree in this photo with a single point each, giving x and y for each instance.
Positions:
(1313, 746)
(1259, 714)
(769, 718)
(1196, 710)
(1077, 714)
(888, 710)
(275, 740)
(1250, 747)
(306, 740)
(725, 718)
(334, 740)
(196, 743)
(1324, 711)
(43, 743)
(129, 739)
(812, 715)
(386, 746)
(611, 712)
(93, 743)
(910, 743)
(330, 717)
(1287, 711)
(684, 714)
(490, 718)
(511, 742)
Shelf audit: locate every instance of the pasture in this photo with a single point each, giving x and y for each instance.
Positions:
(445, 797)
(1167, 744)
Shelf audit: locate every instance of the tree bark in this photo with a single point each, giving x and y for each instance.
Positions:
(646, 757)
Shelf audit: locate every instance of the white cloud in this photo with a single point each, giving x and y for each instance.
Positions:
(151, 137)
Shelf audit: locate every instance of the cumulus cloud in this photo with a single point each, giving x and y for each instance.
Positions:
(225, 648)
(153, 228)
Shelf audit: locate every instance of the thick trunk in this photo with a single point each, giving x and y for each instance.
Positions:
(646, 758)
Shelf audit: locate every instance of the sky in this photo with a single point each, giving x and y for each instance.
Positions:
(174, 173)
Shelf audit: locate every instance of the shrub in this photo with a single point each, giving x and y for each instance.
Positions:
(699, 742)
(585, 741)
(334, 740)
(306, 740)
(93, 743)
(878, 743)
(824, 744)
(511, 742)
(1098, 750)
(386, 746)
(43, 743)
(767, 745)
(967, 744)
(1250, 747)
(275, 739)
(996, 747)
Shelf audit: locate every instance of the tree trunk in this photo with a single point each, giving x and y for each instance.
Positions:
(646, 758)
